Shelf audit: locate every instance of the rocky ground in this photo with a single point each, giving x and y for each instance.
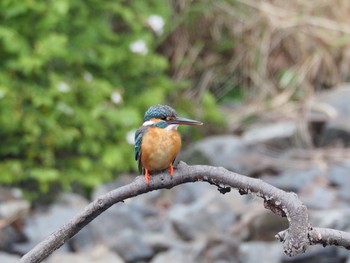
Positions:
(194, 222)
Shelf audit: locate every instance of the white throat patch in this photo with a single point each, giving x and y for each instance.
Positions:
(148, 123)
(168, 128)
(172, 127)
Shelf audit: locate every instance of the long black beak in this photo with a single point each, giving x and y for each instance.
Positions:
(184, 121)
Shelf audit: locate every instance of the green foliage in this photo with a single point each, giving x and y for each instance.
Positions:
(71, 89)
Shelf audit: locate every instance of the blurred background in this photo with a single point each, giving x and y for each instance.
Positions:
(268, 79)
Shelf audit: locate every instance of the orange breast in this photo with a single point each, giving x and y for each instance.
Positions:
(159, 148)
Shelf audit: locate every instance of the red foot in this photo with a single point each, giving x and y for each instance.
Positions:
(171, 169)
(147, 176)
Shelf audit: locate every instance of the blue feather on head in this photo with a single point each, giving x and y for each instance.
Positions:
(159, 112)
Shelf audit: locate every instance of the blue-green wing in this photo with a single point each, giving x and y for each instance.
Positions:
(138, 141)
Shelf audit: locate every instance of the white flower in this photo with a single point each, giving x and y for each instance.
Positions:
(130, 137)
(2, 94)
(139, 47)
(116, 97)
(156, 23)
(64, 108)
(63, 87)
(87, 76)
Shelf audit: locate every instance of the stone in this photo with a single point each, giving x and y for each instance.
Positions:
(319, 197)
(294, 180)
(176, 255)
(143, 205)
(105, 188)
(8, 258)
(8, 238)
(189, 193)
(259, 224)
(217, 248)
(12, 204)
(137, 214)
(224, 151)
(332, 218)
(162, 241)
(252, 252)
(344, 195)
(116, 219)
(204, 249)
(130, 246)
(338, 176)
(13, 210)
(319, 254)
(210, 214)
(335, 114)
(278, 135)
(42, 223)
(99, 254)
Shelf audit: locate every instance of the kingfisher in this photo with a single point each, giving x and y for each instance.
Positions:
(157, 141)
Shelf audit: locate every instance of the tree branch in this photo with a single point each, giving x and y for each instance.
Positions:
(324, 236)
(295, 239)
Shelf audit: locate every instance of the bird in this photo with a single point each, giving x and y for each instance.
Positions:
(157, 141)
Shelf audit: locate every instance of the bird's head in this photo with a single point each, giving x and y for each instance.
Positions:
(163, 116)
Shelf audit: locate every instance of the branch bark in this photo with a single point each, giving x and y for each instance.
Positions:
(295, 239)
(324, 236)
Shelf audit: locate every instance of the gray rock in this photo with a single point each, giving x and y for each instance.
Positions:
(142, 205)
(141, 226)
(225, 151)
(294, 180)
(219, 248)
(116, 219)
(319, 197)
(344, 195)
(319, 254)
(259, 224)
(336, 113)
(338, 176)
(189, 193)
(210, 214)
(163, 241)
(253, 252)
(175, 256)
(130, 246)
(137, 214)
(99, 254)
(41, 224)
(205, 249)
(8, 258)
(13, 210)
(8, 237)
(331, 218)
(12, 204)
(105, 188)
(279, 134)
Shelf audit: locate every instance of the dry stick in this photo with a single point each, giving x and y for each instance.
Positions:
(295, 239)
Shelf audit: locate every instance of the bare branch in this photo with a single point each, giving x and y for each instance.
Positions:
(324, 236)
(295, 239)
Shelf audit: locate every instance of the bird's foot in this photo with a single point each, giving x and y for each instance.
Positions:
(171, 169)
(147, 177)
